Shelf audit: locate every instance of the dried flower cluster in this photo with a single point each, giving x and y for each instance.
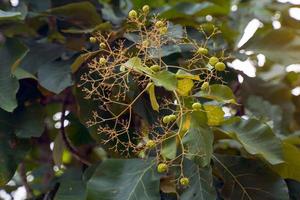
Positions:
(128, 70)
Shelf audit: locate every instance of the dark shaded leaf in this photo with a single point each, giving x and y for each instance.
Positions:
(249, 179)
(257, 138)
(201, 183)
(117, 179)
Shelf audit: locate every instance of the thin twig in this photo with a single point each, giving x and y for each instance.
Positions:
(65, 138)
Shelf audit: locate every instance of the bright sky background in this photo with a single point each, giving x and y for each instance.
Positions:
(246, 66)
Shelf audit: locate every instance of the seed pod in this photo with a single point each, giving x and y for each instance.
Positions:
(162, 168)
(213, 60)
(102, 61)
(220, 66)
(93, 40)
(132, 14)
(150, 144)
(202, 51)
(196, 106)
(184, 181)
(146, 9)
(205, 86)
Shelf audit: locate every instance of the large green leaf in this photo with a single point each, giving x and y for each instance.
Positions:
(55, 76)
(10, 16)
(117, 179)
(201, 183)
(273, 42)
(218, 92)
(249, 179)
(40, 54)
(12, 150)
(290, 168)
(83, 14)
(71, 190)
(257, 138)
(30, 122)
(266, 111)
(199, 139)
(10, 52)
(165, 79)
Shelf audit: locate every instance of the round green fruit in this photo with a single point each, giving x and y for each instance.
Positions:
(220, 66)
(159, 24)
(132, 14)
(202, 51)
(205, 86)
(93, 40)
(146, 8)
(166, 119)
(184, 181)
(172, 118)
(196, 106)
(150, 144)
(213, 60)
(162, 168)
(102, 45)
(163, 30)
(102, 61)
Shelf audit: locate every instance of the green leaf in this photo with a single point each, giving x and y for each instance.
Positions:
(136, 64)
(249, 179)
(83, 14)
(165, 79)
(40, 54)
(10, 16)
(266, 111)
(12, 150)
(257, 138)
(199, 139)
(30, 122)
(71, 190)
(215, 115)
(290, 168)
(10, 52)
(55, 76)
(201, 183)
(169, 148)
(287, 41)
(81, 59)
(117, 179)
(218, 92)
(153, 101)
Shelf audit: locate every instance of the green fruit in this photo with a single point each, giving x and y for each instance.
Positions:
(205, 86)
(202, 51)
(102, 61)
(102, 45)
(146, 8)
(132, 14)
(184, 181)
(166, 119)
(213, 60)
(150, 144)
(163, 30)
(93, 40)
(172, 118)
(145, 43)
(196, 106)
(220, 66)
(155, 68)
(159, 24)
(162, 168)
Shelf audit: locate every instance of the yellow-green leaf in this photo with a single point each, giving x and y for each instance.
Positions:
(153, 101)
(215, 115)
(290, 168)
(184, 86)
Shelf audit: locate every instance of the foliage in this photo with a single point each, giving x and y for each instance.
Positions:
(133, 100)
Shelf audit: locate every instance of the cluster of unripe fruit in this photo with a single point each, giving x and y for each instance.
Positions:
(163, 167)
(213, 61)
(160, 25)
